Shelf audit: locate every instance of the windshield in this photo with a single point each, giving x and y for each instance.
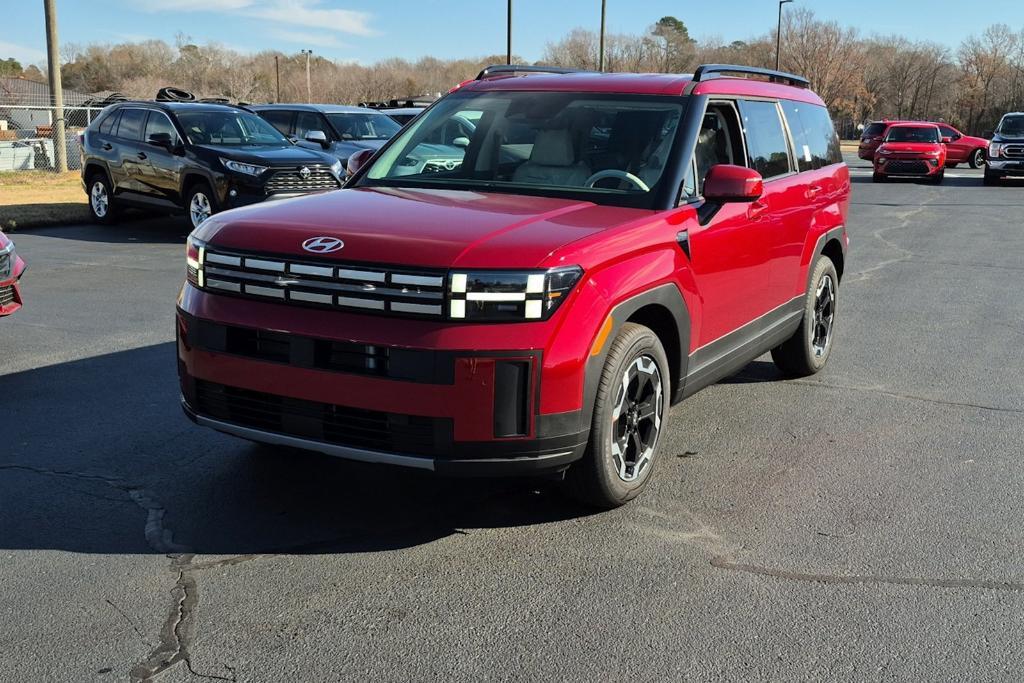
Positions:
(363, 126)
(229, 128)
(603, 148)
(1012, 126)
(913, 134)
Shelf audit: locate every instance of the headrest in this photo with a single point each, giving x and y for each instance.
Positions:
(553, 148)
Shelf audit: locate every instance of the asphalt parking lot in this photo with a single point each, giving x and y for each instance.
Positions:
(864, 524)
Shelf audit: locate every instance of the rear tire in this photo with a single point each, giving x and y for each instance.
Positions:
(102, 207)
(629, 416)
(807, 351)
(200, 204)
(977, 159)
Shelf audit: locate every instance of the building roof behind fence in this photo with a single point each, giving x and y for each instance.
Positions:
(24, 92)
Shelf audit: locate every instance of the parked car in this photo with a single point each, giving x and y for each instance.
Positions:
(403, 115)
(1006, 151)
(962, 149)
(871, 137)
(11, 269)
(611, 244)
(199, 157)
(336, 129)
(911, 150)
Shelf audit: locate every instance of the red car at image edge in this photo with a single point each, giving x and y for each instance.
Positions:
(11, 269)
(595, 248)
(911, 150)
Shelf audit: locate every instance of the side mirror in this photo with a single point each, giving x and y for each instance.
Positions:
(946, 139)
(357, 160)
(317, 136)
(161, 140)
(727, 183)
(461, 141)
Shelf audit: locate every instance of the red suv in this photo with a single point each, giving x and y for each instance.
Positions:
(608, 245)
(11, 270)
(960, 148)
(911, 150)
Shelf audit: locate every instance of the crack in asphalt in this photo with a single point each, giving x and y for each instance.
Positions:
(904, 254)
(911, 397)
(866, 579)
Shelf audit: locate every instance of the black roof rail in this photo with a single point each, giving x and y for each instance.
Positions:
(706, 72)
(509, 69)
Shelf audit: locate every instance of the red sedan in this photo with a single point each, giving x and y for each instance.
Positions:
(911, 150)
(11, 268)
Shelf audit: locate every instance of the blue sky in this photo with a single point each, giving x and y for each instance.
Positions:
(366, 31)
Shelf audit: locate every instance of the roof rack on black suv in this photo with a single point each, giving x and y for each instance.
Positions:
(197, 156)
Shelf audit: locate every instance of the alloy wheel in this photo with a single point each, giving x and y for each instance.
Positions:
(824, 315)
(636, 418)
(199, 208)
(98, 199)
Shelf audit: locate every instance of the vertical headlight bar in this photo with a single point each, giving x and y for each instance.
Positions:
(195, 257)
(509, 295)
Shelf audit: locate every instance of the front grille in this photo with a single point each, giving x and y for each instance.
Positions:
(317, 178)
(339, 425)
(6, 295)
(323, 284)
(6, 264)
(1014, 151)
(906, 167)
(411, 365)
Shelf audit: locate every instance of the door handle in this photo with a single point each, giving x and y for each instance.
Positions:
(813, 191)
(756, 210)
(107, 146)
(142, 155)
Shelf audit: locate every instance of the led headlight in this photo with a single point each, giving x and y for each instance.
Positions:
(995, 150)
(509, 295)
(195, 257)
(239, 167)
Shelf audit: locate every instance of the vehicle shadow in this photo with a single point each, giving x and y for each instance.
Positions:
(100, 459)
(755, 372)
(133, 226)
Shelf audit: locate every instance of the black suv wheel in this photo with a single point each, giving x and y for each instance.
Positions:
(807, 351)
(102, 206)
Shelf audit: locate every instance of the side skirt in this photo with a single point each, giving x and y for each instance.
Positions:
(731, 352)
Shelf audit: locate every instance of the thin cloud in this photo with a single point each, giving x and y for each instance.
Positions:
(307, 14)
(25, 55)
(308, 38)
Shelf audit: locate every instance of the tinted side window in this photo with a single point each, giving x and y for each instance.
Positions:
(814, 136)
(109, 124)
(767, 146)
(306, 121)
(280, 119)
(159, 123)
(948, 132)
(130, 127)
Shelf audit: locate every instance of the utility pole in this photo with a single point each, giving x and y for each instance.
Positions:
(508, 52)
(309, 89)
(600, 56)
(778, 36)
(60, 143)
(277, 70)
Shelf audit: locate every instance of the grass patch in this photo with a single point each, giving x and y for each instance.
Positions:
(37, 198)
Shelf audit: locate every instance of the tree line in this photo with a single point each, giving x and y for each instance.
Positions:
(859, 77)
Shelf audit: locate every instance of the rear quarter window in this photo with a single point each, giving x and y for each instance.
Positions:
(280, 119)
(109, 123)
(767, 145)
(814, 136)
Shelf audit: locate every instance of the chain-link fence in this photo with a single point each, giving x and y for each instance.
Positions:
(28, 136)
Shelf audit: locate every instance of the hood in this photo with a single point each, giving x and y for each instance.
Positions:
(415, 227)
(910, 147)
(285, 155)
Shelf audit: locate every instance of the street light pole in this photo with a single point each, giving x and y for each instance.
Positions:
(600, 56)
(309, 89)
(508, 42)
(778, 36)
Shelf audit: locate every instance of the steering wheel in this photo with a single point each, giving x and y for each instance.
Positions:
(615, 173)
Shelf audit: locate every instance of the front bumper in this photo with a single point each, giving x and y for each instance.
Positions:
(909, 167)
(1009, 167)
(456, 412)
(10, 288)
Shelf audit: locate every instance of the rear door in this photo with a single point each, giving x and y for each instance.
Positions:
(130, 155)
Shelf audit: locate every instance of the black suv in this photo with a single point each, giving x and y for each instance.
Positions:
(199, 157)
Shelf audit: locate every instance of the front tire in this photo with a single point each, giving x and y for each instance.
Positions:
(807, 351)
(878, 177)
(938, 177)
(991, 179)
(629, 416)
(102, 207)
(200, 204)
(977, 159)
